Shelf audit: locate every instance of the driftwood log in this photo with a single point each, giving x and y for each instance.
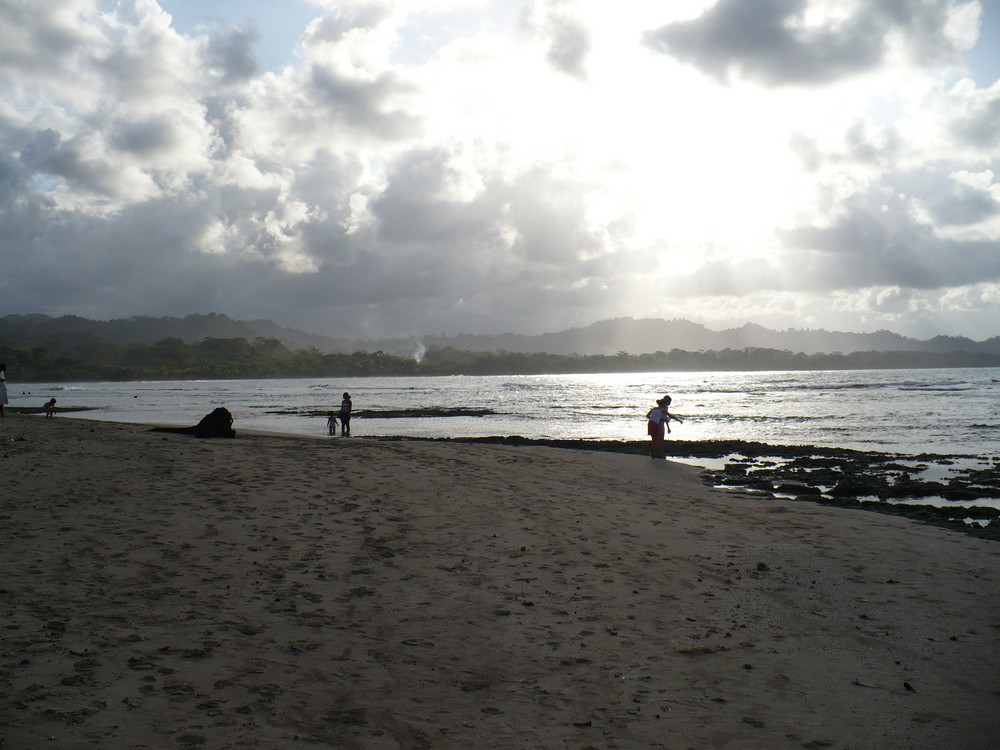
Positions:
(218, 423)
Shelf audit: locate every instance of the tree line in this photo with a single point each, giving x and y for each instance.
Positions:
(238, 358)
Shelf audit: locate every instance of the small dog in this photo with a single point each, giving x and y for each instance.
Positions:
(50, 408)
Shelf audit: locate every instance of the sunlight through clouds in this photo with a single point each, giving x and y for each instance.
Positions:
(527, 166)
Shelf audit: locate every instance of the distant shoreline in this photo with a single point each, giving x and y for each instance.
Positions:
(992, 363)
(48, 368)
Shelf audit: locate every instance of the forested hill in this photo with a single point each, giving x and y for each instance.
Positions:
(652, 334)
(231, 358)
(58, 334)
(607, 337)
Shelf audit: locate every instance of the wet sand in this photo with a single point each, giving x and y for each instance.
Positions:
(160, 591)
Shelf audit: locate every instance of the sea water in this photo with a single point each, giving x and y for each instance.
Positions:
(900, 411)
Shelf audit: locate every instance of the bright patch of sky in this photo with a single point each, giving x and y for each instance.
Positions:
(984, 57)
(278, 24)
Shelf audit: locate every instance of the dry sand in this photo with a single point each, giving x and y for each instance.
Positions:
(161, 591)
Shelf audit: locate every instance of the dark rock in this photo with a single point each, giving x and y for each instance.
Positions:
(952, 492)
(852, 488)
(797, 488)
(217, 423)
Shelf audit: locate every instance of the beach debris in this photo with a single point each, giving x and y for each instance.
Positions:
(217, 423)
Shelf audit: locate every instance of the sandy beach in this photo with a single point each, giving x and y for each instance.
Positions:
(160, 591)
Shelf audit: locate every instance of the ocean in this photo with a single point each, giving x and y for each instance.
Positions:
(904, 411)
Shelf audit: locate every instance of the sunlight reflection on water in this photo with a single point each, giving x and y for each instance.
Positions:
(907, 411)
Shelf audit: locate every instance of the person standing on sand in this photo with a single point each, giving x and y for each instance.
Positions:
(331, 423)
(3, 389)
(345, 415)
(658, 425)
(654, 428)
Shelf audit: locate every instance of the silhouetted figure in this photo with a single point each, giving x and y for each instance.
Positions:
(50, 408)
(658, 424)
(331, 423)
(666, 415)
(654, 428)
(345, 415)
(3, 388)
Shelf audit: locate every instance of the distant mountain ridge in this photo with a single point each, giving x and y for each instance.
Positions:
(68, 330)
(653, 334)
(606, 337)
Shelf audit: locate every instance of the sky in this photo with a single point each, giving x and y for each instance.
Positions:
(374, 168)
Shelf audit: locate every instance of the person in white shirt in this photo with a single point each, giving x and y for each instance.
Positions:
(3, 388)
(654, 428)
(658, 425)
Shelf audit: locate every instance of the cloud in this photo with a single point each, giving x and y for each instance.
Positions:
(363, 104)
(974, 118)
(448, 165)
(961, 200)
(569, 39)
(798, 42)
(232, 53)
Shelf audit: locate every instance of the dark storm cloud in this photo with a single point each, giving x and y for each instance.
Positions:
(962, 205)
(40, 154)
(133, 70)
(67, 260)
(232, 53)
(762, 40)
(24, 30)
(144, 137)
(12, 180)
(364, 105)
(139, 260)
(48, 154)
(950, 201)
(426, 259)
